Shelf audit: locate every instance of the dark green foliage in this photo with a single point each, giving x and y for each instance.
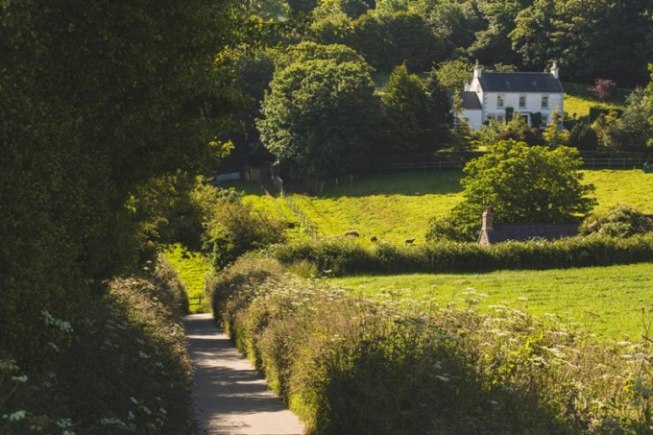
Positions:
(120, 367)
(350, 365)
(621, 221)
(249, 72)
(590, 38)
(406, 114)
(582, 136)
(385, 41)
(451, 257)
(97, 97)
(232, 227)
(321, 115)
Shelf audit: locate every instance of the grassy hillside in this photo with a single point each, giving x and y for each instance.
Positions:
(578, 99)
(605, 300)
(192, 268)
(396, 206)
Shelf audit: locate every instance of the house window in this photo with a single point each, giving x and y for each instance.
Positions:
(545, 102)
(499, 100)
(522, 101)
(500, 118)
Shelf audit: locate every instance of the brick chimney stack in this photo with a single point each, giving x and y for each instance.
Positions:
(487, 220)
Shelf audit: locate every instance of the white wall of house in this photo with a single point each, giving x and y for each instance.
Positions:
(474, 117)
(494, 104)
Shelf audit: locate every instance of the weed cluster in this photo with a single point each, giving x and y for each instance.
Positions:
(351, 365)
(350, 258)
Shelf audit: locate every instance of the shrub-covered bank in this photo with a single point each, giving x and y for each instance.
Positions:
(350, 365)
(350, 258)
(121, 367)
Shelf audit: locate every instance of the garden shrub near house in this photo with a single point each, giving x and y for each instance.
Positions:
(621, 221)
(352, 365)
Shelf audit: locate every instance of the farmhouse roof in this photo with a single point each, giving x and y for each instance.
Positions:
(520, 82)
(522, 232)
(470, 101)
(495, 233)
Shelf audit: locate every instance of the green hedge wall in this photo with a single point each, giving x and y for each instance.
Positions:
(349, 258)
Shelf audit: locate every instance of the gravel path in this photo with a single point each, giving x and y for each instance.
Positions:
(231, 397)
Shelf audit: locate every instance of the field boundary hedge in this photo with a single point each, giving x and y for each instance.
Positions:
(342, 257)
(352, 365)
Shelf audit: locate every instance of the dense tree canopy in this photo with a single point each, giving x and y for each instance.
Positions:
(96, 98)
(321, 115)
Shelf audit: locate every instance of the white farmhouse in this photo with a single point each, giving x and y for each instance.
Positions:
(490, 94)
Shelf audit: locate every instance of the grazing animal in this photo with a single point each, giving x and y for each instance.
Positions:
(409, 241)
(373, 239)
(352, 233)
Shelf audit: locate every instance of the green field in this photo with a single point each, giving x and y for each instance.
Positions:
(578, 99)
(396, 206)
(192, 269)
(604, 300)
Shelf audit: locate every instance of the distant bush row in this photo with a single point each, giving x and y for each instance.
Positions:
(349, 258)
(356, 366)
(121, 367)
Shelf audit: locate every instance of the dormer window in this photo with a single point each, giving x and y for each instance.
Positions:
(545, 102)
(522, 101)
(499, 101)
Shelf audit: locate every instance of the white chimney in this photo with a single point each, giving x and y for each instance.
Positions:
(554, 69)
(478, 71)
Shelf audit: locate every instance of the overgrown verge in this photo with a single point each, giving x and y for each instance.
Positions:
(349, 258)
(121, 367)
(351, 365)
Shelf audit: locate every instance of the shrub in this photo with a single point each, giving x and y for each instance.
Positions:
(621, 221)
(233, 228)
(121, 367)
(349, 258)
(353, 365)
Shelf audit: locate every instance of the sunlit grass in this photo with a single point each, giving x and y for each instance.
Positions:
(192, 268)
(604, 300)
(397, 206)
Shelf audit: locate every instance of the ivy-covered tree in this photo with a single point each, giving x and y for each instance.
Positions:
(522, 184)
(321, 115)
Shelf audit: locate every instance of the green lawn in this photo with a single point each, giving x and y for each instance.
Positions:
(192, 269)
(605, 300)
(395, 206)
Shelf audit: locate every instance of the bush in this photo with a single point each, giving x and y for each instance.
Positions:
(352, 365)
(121, 367)
(621, 221)
(233, 228)
(348, 258)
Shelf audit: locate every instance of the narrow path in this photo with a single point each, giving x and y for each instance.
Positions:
(231, 397)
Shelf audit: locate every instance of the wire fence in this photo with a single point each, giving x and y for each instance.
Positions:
(307, 225)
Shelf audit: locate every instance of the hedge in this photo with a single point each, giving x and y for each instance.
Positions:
(351, 365)
(349, 258)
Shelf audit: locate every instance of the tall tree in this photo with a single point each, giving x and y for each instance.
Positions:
(321, 115)
(405, 112)
(589, 38)
(96, 98)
